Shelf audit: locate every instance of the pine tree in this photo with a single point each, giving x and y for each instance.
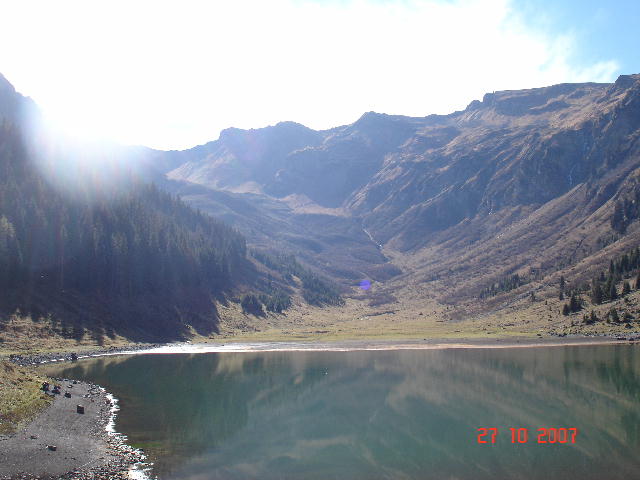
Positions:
(624, 263)
(613, 293)
(617, 220)
(565, 309)
(77, 333)
(626, 288)
(606, 289)
(612, 269)
(574, 304)
(613, 314)
(251, 304)
(596, 292)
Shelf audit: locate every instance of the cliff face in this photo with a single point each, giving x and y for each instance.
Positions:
(398, 173)
(512, 150)
(520, 180)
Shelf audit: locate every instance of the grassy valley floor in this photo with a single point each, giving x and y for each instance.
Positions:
(413, 314)
(25, 412)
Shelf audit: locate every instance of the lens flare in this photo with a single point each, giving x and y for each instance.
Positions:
(365, 284)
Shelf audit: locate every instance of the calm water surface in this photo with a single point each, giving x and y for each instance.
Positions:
(377, 415)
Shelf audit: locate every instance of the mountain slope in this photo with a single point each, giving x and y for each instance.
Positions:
(521, 182)
(87, 246)
(133, 261)
(486, 215)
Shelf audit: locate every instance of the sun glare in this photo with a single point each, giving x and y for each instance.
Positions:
(171, 75)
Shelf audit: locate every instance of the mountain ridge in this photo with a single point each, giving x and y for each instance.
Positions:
(468, 216)
(437, 191)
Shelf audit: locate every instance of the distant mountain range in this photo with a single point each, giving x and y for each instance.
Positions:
(521, 182)
(536, 184)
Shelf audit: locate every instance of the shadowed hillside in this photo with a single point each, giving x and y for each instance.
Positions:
(89, 249)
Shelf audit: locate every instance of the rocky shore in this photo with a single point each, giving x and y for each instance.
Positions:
(62, 443)
(38, 358)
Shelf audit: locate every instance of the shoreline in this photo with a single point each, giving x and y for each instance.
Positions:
(238, 345)
(38, 358)
(385, 345)
(86, 445)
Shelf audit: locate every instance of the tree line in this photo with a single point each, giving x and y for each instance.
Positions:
(626, 210)
(504, 284)
(603, 288)
(133, 241)
(315, 289)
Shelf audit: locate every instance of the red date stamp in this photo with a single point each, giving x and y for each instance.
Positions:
(521, 435)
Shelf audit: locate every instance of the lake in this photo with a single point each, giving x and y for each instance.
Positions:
(407, 414)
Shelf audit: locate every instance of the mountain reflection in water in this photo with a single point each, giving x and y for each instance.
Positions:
(410, 414)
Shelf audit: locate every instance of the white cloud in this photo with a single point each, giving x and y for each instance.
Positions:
(173, 74)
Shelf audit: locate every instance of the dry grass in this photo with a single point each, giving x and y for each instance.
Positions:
(418, 314)
(414, 315)
(24, 335)
(20, 396)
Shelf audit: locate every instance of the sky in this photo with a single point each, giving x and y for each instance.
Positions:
(172, 75)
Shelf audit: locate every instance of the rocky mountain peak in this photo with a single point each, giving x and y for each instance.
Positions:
(371, 118)
(626, 81)
(536, 101)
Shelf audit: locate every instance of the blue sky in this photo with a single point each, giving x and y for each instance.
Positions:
(601, 29)
(172, 75)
